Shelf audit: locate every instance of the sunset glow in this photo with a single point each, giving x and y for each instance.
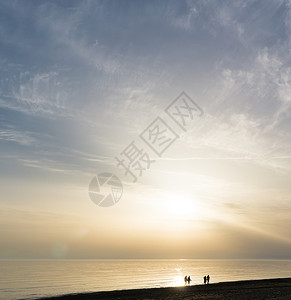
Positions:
(145, 129)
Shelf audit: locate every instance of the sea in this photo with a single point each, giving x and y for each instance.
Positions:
(31, 279)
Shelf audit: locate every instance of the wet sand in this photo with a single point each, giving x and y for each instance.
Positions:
(251, 289)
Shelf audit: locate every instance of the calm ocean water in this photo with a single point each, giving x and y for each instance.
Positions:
(29, 279)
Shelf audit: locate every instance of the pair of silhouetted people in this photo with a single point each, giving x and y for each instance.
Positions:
(187, 280)
(206, 279)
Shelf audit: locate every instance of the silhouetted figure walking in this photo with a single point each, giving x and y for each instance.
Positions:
(205, 279)
(189, 280)
(208, 278)
(185, 279)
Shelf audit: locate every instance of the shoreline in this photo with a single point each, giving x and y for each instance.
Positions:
(277, 288)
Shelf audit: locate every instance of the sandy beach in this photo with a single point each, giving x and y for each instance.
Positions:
(252, 289)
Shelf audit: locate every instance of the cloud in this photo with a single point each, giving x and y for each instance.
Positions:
(47, 166)
(12, 135)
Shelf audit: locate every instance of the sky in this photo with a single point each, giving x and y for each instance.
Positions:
(81, 80)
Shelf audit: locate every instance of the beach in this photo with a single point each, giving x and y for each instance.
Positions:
(250, 289)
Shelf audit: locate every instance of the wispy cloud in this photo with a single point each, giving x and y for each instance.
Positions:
(12, 135)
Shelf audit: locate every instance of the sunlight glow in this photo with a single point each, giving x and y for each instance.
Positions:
(179, 205)
(178, 280)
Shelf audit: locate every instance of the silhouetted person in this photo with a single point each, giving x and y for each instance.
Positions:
(185, 279)
(208, 278)
(189, 280)
(205, 279)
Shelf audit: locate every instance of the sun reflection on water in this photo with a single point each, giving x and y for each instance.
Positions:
(177, 280)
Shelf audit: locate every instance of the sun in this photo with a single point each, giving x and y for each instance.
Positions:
(179, 205)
